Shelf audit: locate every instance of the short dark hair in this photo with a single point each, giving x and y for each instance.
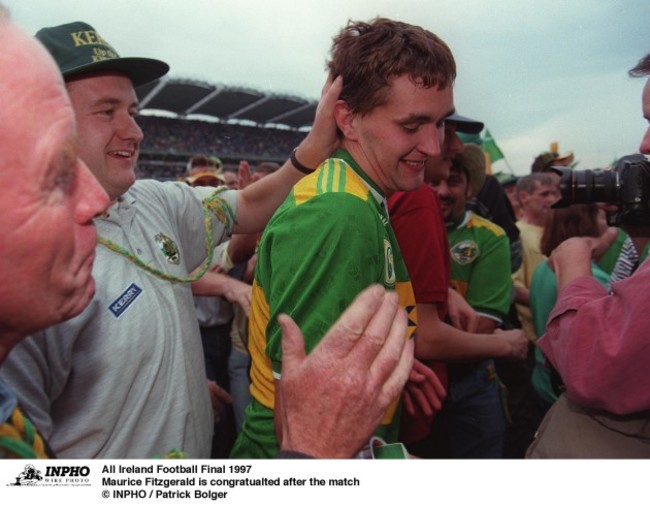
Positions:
(199, 160)
(642, 68)
(368, 55)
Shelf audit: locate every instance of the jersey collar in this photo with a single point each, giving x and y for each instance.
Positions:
(462, 223)
(374, 189)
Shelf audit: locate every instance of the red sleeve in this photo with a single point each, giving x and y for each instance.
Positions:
(420, 230)
(598, 342)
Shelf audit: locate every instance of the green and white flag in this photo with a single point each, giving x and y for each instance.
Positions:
(491, 147)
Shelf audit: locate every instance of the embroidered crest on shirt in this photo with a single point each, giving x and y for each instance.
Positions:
(465, 252)
(169, 248)
(389, 275)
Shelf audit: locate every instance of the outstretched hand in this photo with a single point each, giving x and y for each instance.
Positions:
(333, 399)
(244, 175)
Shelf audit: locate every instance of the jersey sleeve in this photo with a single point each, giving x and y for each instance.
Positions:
(314, 261)
(598, 343)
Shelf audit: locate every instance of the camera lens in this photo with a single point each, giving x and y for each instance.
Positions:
(587, 186)
(627, 186)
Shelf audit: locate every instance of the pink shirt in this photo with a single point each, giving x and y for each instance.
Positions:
(600, 343)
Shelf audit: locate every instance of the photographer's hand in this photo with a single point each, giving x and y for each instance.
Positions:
(572, 258)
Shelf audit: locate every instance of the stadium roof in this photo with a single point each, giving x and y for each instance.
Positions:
(185, 97)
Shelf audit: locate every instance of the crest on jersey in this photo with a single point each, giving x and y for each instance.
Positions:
(465, 252)
(169, 248)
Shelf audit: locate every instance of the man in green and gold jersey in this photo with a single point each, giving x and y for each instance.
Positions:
(331, 238)
(472, 422)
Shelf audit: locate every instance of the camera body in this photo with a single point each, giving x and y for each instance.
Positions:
(627, 186)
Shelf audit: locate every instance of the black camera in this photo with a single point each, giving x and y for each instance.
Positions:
(627, 186)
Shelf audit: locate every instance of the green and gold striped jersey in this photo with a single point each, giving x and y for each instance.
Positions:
(329, 240)
(480, 265)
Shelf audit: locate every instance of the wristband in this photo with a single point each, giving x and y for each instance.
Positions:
(299, 166)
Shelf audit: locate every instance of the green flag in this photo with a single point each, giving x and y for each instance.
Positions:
(491, 147)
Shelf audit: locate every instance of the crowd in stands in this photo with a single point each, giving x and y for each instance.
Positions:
(169, 142)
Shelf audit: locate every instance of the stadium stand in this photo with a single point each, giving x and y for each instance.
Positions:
(180, 117)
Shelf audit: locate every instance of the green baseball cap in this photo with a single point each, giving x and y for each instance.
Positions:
(78, 49)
